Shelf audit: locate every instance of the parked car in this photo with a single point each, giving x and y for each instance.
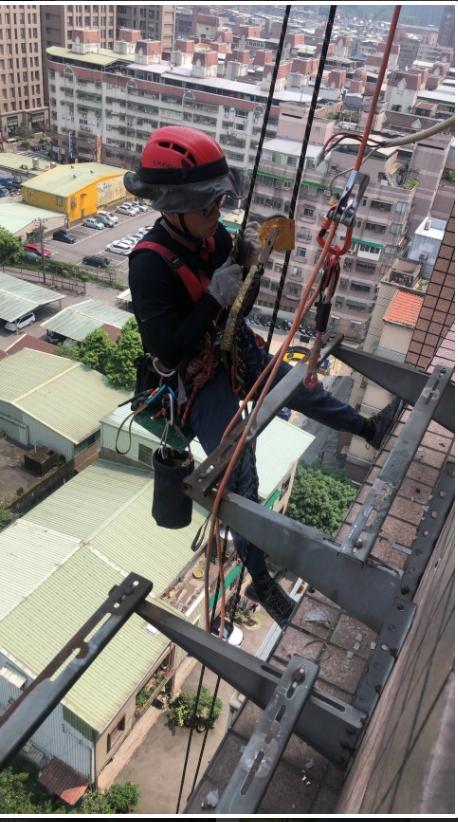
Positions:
(96, 260)
(128, 208)
(140, 206)
(4, 192)
(22, 322)
(232, 633)
(35, 250)
(91, 222)
(102, 213)
(64, 236)
(117, 249)
(105, 219)
(53, 337)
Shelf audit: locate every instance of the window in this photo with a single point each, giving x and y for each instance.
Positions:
(359, 287)
(309, 212)
(400, 208)
(113, 737)
(301, 252)
(379, 205)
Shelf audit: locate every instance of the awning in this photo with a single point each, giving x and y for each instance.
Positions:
(232, 575)
(61, 780)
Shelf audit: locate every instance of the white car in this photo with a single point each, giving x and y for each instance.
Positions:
(140, 206)
(91, 222)
(115, 249)
(128, 208)
(22, 322)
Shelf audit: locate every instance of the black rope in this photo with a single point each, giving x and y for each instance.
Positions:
(300, 167)
(199, 689)
(265, 121)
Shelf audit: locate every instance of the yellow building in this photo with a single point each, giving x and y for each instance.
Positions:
(76, 190)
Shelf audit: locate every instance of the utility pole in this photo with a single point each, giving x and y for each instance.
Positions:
(40, 224)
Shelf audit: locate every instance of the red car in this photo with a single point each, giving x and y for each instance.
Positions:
(35, 248)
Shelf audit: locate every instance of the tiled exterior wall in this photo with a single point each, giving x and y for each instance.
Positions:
(405, 763)
(437, 315)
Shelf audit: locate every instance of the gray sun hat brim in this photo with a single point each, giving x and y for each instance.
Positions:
(180, 199)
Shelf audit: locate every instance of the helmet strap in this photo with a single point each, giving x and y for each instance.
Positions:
(183, 231)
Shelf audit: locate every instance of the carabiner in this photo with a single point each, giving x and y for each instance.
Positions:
(338, 251)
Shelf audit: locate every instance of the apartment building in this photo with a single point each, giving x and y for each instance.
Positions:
(21, 75)
(59, 21)
(379, 234)
(107, 102)
(155, 22)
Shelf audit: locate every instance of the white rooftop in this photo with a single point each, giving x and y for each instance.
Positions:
(432, 228)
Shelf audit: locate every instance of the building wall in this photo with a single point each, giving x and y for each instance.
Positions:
(55, 737)
(21, 74)
(85, 201)
(156, 22)
(429, 162)
(438, 310)
(404, 763)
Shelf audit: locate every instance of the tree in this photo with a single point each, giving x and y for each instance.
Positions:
(120, 370)
(21, 794)
(96, 350)
(181, 712)
(320, 498)
(122, 798)
(10, 247)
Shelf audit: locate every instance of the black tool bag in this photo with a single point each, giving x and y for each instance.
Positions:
(171, 507)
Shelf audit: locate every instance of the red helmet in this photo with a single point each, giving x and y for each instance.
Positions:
(181, 169)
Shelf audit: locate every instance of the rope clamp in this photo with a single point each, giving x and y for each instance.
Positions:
(345, 210)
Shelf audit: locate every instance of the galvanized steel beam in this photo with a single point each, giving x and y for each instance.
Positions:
(366, 527)
(25, 715)
(264, 750)
(402, 380)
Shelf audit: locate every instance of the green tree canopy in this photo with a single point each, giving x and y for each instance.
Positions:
(320, 498)
(96, 350)
(120, 368)
(10, 247)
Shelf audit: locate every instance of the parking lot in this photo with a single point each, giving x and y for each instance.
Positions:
(94, 241)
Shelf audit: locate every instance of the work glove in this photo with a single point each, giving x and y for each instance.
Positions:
(249, 245)
(226, 282)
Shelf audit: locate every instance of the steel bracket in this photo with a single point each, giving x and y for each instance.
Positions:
(264, 750)
(326, 723)
(366, 527)
(404, 381)
(27, 713)
(363, 590)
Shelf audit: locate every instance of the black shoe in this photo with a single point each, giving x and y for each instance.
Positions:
(379, 426)
(273, 598)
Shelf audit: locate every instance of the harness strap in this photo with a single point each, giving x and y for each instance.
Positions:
(196, 286)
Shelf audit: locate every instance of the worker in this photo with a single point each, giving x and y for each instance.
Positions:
(183, 278)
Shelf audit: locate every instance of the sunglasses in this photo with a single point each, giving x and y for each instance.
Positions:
(207, 212)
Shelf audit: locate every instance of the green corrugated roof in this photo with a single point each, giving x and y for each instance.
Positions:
(18, 297)
(77, 321)
(37, 629)
(64, 395)
(67, 179)
(28, 554)
(110, 506)
(16, 216)
(104, 57)
(29, 369)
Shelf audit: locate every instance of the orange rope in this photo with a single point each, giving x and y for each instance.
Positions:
(273, 366)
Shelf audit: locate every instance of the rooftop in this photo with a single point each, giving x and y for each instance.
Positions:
(77, 321)
(104, 57)
(44, 386)
(64, 180)
(431, 227)
(404, 309)
(22, 163)
(18, 297)
(76, 541)
(15, 216)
